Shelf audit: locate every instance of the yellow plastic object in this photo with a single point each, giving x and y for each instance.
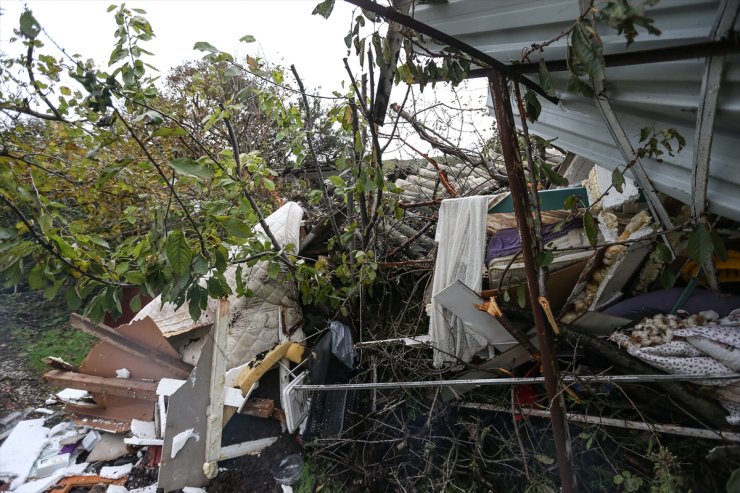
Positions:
(728, 271)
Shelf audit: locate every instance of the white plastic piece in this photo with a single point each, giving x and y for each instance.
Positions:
(143, 429)
(73, 395)
(295, 403)
(50, 465)
(123, 373)
(116, 472)
(90, 440)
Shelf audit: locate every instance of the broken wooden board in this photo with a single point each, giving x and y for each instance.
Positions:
(145, 361)
(184, 449)
(139, 341)
(121, 387)
(461, 300)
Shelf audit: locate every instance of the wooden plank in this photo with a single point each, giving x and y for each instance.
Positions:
(112, 337)
(123, 387)
(215, 409)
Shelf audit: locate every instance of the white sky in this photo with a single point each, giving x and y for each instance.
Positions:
(285, 30)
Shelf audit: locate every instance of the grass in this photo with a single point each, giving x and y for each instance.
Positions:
(37, 328)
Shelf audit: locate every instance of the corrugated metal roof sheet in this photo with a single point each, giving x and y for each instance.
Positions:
(660, 95)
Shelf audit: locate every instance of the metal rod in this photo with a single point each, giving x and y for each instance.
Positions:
(619, 423)
(705, 114)
(703, 49)
(617, 379)
(525, 223)
(395, 16)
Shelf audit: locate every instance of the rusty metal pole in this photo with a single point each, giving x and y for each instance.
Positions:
(523, 212)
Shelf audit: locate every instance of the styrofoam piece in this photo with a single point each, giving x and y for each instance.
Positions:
(168, 386)
(295, 403)
(190, 489)
(123, 373)
(50, 465)
(20, 450)
(43, 410)
(116, 472)
(91, 439)
(152, 488)
(600, 179)
(143, 442)
(179, 440)
(143, 429)
(245, 448)
(73, 394)
(116, 488)
(43, 484)
(59, 428)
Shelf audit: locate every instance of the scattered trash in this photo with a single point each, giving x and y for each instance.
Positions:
(289, 470)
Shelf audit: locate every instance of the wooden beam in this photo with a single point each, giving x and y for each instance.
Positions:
(215, 409)
(123, 387)
(109, 335)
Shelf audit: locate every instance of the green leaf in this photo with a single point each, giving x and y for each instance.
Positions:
(205, 46)
(521, 296)
(545, 79)
(236, 228)
(701, 244)
(186, 166)
(324, 9)
(733, 484)
(533, 106)
(72, 298)
(544, 258)
(268, 184)
(645, 133)
(178, 253)
(135, 303)
(719, 246)
(592, 232)
(588, 50)
(578, 86)
(667, 277)
(663, 253)
(169, 132)
(617, 179)
(247, 39)
(232, 71)
(337, 181)
(30, 27)
(553, 176)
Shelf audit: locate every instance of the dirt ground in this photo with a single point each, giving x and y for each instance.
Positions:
(21, 386)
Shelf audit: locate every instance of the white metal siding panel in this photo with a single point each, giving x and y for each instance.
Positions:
(659, 95)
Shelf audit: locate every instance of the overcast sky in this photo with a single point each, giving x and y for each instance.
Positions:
(285, 30)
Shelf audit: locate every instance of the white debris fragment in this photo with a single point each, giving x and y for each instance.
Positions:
(73, 394)
(20, 450)
(59, 428)
(90, 440)
(190, 489)
(116, 472)
(179, 441)
(49, 465)
(50, 401)
(152, 488)
(41, 485)
(43, 410)
(143, 429)
(117, 488)
(123, 373)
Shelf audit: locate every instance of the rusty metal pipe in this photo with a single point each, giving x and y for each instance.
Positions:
(523, 212)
